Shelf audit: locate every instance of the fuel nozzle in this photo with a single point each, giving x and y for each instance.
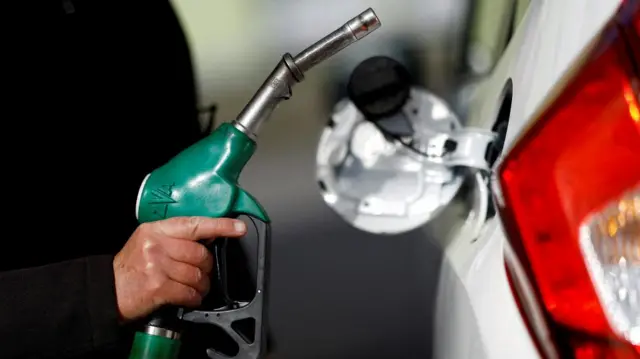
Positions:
(290, 70)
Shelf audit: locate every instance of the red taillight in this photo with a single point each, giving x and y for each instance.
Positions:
(571, 189)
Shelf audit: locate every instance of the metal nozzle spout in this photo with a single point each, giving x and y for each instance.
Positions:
(364, 24)
(290, 70)
(354, 30)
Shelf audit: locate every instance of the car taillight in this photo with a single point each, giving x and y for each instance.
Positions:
(571, 187)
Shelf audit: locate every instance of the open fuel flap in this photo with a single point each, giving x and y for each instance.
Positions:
(393, 155)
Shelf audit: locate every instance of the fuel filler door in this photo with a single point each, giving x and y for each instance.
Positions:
(393, 155)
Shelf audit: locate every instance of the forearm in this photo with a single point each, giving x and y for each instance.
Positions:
(63, 309)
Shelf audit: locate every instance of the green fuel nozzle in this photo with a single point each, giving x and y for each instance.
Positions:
(203, 179)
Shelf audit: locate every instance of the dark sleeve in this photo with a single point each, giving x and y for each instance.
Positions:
(59, 310)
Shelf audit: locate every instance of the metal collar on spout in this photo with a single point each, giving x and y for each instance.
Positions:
(290, 70)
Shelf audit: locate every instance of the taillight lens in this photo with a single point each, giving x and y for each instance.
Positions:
(571, 189)
(610, 243)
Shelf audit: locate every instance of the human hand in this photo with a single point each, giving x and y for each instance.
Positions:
(162, 263)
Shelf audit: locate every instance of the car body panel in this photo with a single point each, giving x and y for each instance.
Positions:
(476, 314)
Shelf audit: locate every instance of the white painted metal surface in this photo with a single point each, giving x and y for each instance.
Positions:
(477, 316)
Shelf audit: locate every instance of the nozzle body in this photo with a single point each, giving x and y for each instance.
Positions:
(202, 180)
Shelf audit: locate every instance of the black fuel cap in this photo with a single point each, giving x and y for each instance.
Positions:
(379, 87)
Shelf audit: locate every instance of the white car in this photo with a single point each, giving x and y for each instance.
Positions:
(545, 262)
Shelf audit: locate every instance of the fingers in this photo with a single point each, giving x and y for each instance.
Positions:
(179, 294)
(192, 253)
(188, 275)
(162, 263)
(198, 228)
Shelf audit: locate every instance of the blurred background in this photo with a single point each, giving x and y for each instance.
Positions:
(336, 292)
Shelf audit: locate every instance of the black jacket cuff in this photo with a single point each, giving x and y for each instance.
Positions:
(102, 302)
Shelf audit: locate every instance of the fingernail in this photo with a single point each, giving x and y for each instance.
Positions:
(240, 226)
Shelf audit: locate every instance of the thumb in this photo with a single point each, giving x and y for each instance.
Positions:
(198, 228)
